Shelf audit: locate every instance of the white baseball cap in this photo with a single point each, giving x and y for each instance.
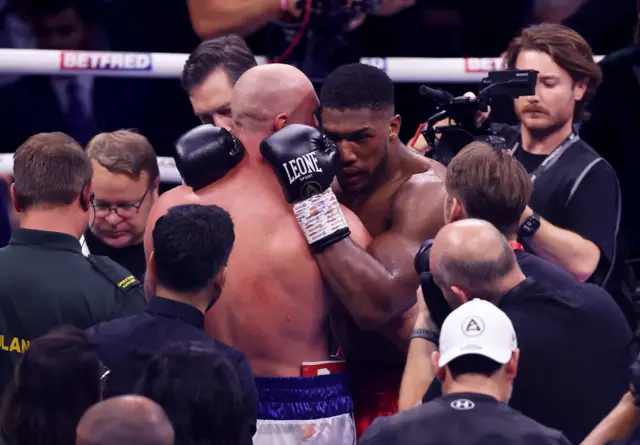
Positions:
(477, 327)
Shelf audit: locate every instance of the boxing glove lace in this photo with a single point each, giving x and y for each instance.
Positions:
(305, 162)
(205, 154)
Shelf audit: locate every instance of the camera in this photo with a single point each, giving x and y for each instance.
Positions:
(461, 112)
(319, 40)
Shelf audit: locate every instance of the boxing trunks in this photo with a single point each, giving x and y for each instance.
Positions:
(315, 410)
(375, 394)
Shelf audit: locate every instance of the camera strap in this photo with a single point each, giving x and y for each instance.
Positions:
(553, 156)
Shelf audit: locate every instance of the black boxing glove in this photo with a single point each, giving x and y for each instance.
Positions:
(205, 154)
(305, 162)
(436, 303)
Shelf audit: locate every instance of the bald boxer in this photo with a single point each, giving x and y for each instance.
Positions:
(125, 420)
(275, 304)
(399, 196)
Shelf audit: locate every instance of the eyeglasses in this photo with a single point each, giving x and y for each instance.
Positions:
(123, 210)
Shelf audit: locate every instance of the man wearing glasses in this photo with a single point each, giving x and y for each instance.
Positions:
(126, 180)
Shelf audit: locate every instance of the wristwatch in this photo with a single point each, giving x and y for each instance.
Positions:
(530, 226)
(426, 334)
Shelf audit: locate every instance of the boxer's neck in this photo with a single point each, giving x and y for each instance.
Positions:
(544, 143)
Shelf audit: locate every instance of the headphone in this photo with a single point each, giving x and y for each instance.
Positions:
(83, 203)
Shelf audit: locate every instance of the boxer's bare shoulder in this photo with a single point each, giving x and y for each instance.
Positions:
(176, 196)
(274, 306)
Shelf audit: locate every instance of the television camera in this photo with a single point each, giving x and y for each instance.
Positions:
(462, 111)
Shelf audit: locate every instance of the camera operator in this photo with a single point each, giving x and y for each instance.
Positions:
(573, 217)
(477, 364)
(561, 383)
(213, 18)
(314, 35)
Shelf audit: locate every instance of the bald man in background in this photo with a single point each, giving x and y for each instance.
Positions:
(562, 381)
(125, 420)
(276, 317)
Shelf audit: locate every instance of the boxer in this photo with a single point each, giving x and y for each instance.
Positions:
(398, 195)
(275, 303)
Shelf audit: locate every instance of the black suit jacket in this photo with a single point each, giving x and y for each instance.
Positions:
(152, 106)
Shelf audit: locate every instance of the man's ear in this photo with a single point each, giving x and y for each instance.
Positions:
(580, 89)
(438, 372)
(86, 193)
(461, 293)
(280, 121)
(220, 278)
(156, 187)
(457, 211)
(14, 199)
(394, 126)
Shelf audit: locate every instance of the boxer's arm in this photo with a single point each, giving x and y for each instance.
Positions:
(176, 196)
(378, 284)
(390, 7)
(214, 18)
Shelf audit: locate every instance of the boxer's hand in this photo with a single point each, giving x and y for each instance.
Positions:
(305, 162)
(205, 154)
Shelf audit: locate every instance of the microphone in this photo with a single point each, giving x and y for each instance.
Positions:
(439, 96)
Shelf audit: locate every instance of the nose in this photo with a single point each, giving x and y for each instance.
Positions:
(347, 154)
(113, 218)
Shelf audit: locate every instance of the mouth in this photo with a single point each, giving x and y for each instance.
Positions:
(351, 177)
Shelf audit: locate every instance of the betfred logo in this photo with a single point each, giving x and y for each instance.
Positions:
(103, 61)
(483, 65)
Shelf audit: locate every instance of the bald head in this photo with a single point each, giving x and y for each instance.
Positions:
(267, 97)
(125, 420)
(473, 255)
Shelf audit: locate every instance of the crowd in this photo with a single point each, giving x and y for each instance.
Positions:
(314, 279)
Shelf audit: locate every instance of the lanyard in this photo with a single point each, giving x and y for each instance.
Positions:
(552, 158)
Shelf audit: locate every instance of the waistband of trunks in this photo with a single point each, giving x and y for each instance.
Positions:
(303, 398)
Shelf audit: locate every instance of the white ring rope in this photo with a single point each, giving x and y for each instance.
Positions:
(169, 65)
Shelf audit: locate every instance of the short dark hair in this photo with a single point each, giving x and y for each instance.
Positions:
(473, 364)
(491, 185)
(50, 169)
(125, 152)
(230, 53)
(567, 48)
(56, 380)
(191, 244)
(87, 10)
(356, 86)
(201, 394)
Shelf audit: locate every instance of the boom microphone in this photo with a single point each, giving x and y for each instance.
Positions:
(438, 96)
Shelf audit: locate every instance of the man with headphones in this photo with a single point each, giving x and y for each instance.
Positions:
(45, 280)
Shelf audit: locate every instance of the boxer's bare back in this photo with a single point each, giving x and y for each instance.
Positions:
(274, 305)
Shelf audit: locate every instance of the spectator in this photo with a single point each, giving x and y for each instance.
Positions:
(201, 394)
(191, 246)
(558, 329)
(125, 420)
(81, 105)
(57, 379)
(15, 30)
(477, 364)
(210, 73)
(45, 281)
(125, 182)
